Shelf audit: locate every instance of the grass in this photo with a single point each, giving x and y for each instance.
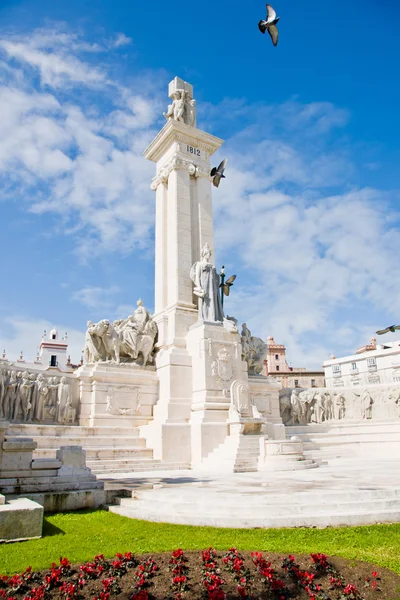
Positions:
(81, 535)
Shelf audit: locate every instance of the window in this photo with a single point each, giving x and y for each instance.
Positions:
(276, 356)
(354, 366)
(54, 337)
(312, 382)
(53, 361)
(277, 367)
(371, 362)
(336, 368)
(296, 383)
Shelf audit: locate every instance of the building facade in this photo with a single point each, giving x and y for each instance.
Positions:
(373, 364)
(290, 377)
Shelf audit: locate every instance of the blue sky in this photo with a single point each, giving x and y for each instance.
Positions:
(311, 130)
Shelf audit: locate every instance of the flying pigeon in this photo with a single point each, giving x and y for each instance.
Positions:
(392, 328)
(218, 173)
(270, 25)
(226, 286)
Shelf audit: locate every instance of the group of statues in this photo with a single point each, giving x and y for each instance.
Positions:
(130, 340)
(300, 407)
(33, 397)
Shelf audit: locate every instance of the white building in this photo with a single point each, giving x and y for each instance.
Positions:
(52, 355)
(372, 364)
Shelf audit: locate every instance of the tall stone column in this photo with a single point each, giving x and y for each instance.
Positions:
(183, 225)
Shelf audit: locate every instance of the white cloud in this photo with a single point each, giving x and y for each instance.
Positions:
(24, 334)
(121, 40)
(97, 298)
(69, 156)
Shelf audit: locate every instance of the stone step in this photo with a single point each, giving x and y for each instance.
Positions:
(105, 468)
(30, 430)
(89, 442)
(101, 453)
(215, 509)
(208, 496)
(252, 521)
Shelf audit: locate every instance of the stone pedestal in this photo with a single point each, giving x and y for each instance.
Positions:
(216, 362)
(121, 395)
(264, 392)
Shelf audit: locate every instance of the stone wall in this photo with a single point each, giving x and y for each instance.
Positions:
(319, 405)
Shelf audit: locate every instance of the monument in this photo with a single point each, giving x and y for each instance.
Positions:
(173, 373)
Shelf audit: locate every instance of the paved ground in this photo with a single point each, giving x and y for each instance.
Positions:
(343, 493)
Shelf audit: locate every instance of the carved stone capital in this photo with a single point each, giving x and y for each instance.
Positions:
(174, 164)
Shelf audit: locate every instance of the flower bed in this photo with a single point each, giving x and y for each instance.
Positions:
(207, 575)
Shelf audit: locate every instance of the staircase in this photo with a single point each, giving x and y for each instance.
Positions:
(324, 498)
(330, 442)
(237, 454)
(108, 449)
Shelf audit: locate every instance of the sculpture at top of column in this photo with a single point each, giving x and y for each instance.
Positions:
(206, 287)
(122, 341)
(254, 350)
(183, 106)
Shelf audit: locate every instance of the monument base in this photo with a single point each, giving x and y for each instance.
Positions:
(216, 362)
(121, 395)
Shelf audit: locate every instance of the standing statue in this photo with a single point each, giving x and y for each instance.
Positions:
(63, 400)
(366, 405)
(296, 407)
(339, 406)
(10, 396)
(3, 390)
(328, 406)
(319, 407)
(254, 351)
(23, 398)
(42, 395)
(206, 287)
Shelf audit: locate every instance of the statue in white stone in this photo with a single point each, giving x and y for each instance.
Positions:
(328, 406)
(10, 395)
(23, 399)
(296, 407)
(91, 351)
(3, 390)
(63, 400)
(366, 405)
(206, 287)
(339, 406)
(182, 108)
(176, 109)
(42, 394)
(254, 351)
(319, 407)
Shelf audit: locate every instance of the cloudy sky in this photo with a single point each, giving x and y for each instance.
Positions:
(308, 217)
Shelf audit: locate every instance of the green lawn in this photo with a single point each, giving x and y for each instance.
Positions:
(81, 535)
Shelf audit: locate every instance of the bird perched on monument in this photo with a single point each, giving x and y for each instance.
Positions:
(217, 173)
(270, 25)
(392, 328)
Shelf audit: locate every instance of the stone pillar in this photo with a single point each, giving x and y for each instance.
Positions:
(183, 225)
(161, 257)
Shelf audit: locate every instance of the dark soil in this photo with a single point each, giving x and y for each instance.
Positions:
(159, 586)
